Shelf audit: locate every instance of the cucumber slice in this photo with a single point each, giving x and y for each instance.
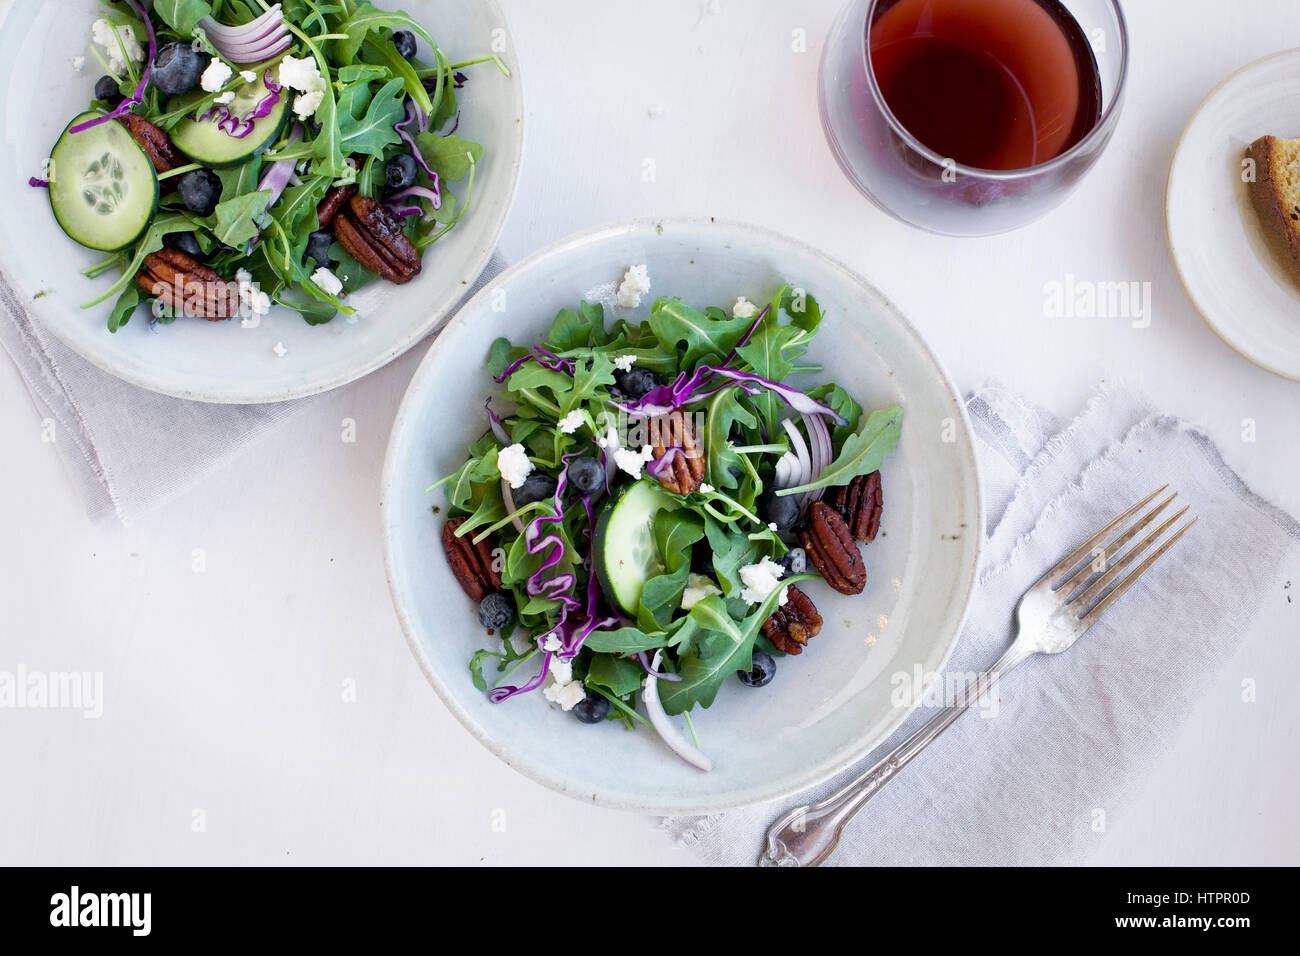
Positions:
(626, 555)
(205, 142)
(103, 187)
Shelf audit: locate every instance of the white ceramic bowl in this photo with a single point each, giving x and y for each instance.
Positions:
(221, 361)
(825, 708)
(1232, 275)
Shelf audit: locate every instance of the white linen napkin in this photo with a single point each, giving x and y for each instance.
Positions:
(1073, 734)
(128, 449)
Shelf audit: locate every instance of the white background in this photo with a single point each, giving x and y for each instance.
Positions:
(224, 689)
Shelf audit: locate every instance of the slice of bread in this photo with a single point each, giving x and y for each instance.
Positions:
(1275, 193)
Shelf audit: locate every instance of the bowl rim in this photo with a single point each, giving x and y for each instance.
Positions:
(537, 770)
(234, 395)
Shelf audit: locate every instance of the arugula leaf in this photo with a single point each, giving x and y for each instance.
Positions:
(675, 532)
(238, 218)
(724, 410)
(182, 15)
(625, 640)
(363, 19)
(448, 156)
(618, 675)
(125, 305)
(577, 329)
(862, 453)
(843, 403)
(152, 242)
(660, 597)
(386, 52)
(374, 132)
(674, 322)
(724, 647)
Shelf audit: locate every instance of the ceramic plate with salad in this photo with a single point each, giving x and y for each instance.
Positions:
(251, 200)
(657, 531)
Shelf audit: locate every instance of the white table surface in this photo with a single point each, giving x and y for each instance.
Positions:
(224, 689)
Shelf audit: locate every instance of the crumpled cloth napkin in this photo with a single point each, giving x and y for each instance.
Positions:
(1073, 734)
(128, 449)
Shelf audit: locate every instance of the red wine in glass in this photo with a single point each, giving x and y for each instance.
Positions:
(991, 84)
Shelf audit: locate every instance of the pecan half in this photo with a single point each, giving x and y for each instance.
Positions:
(860, 505)
(332, 203)
(832, 550)
(470, 562)
(375, 239)
(674, 435)
(157, 144)
(185, 285)
(793, 622)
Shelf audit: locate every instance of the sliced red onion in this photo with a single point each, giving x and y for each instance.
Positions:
(823, 451)
(276, 178)
(800, 451)
(659, 467)
(667, 730)
(643, 658)
(498, 429)
(137, 96)
(259, 39)
(786, 467)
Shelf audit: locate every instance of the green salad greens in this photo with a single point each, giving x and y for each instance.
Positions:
(219, 128)
(632, 523)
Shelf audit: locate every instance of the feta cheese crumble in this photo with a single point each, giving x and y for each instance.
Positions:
(250, 295)
(624, 363)
(78, 63)
(279, 350)
(327, 281)
(706, 488)
(636, 282)
(104, 35)
(744, 309)
(698, 587)
(551, 642)
(632, 461)
(304, 77)
(760, 580)
(514, 464)
(225, 97)
(216, 75)
(563, 689)
(571, 422)
(248, 76)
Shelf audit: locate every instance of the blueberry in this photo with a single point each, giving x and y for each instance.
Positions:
(587, 475)
(592, 709)
(400, 171)
(496, 610)
(534, 488)
(404, 40)
(106, 89)
(185, 242)
(318, 247)
(763, 672)
(780, 510)
(177, 68)
(200, 190)
(636, 382)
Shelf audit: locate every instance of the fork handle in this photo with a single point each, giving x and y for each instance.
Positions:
(807, 835)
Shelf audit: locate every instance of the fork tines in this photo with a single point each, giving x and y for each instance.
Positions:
(1092, 588)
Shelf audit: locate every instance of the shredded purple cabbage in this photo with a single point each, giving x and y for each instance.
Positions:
(241, 126)
(421, 119)
(543, 357)
(137, 95)
(401, 209)
(572, 633)
(38, 183)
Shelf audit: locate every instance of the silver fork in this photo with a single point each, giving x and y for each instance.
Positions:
(1050, 617)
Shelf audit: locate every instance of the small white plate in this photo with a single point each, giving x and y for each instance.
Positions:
(1231, 273)
(826, 707)
(222, 361)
